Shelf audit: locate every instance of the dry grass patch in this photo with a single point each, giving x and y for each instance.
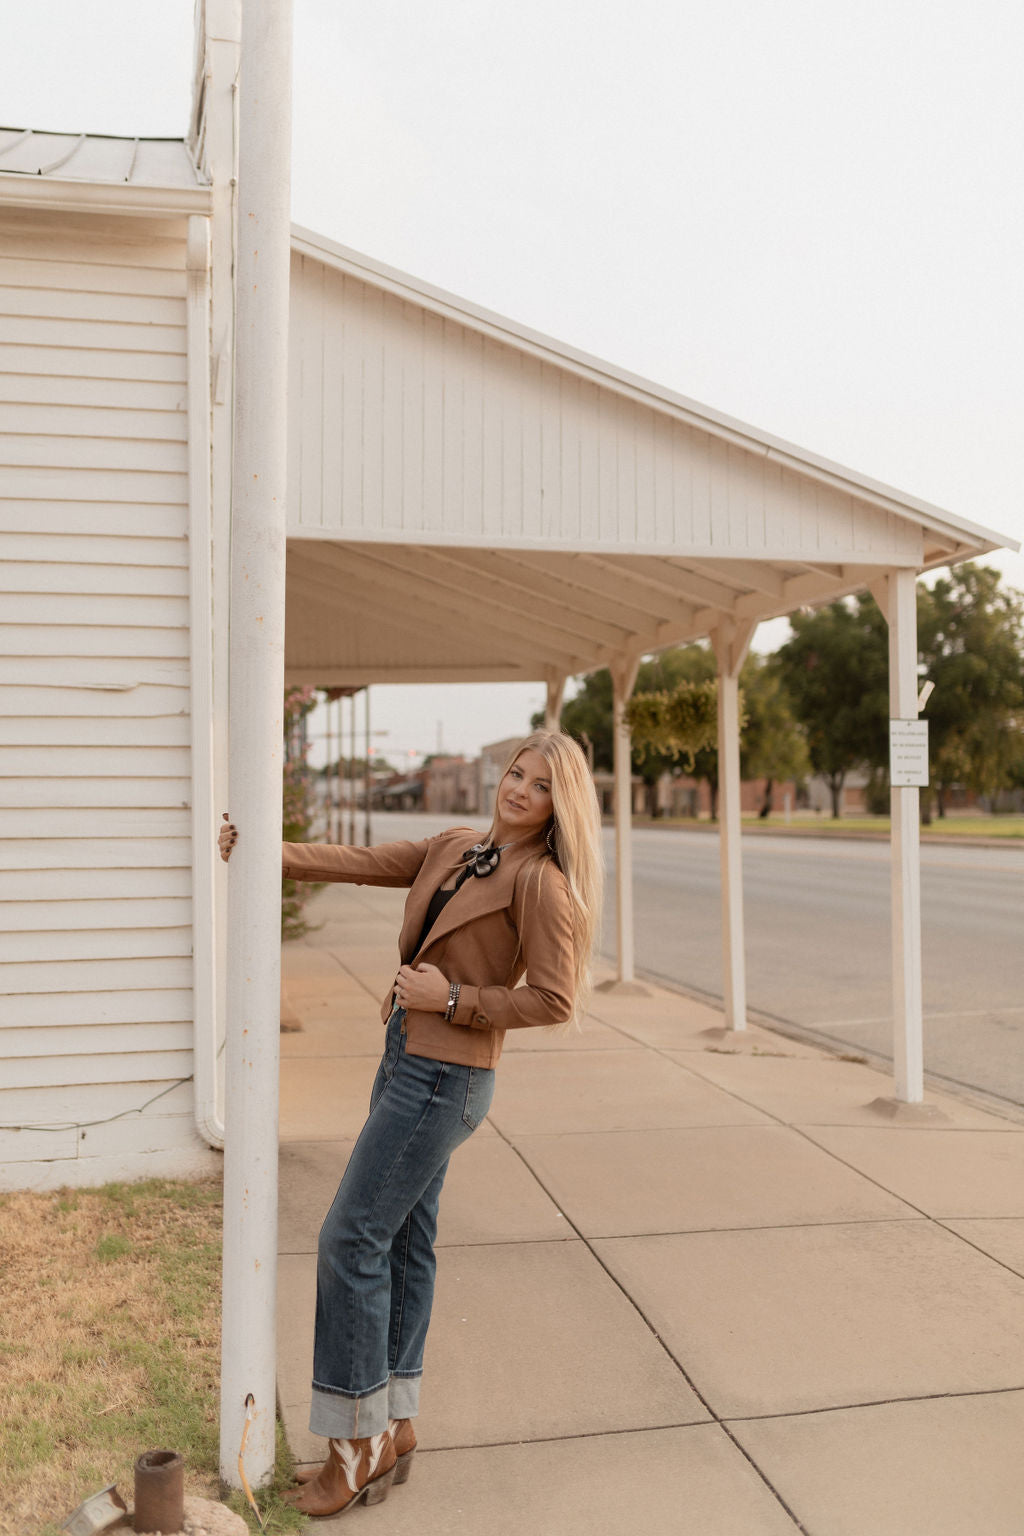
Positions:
(109, 1342)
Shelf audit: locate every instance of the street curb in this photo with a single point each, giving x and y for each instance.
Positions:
(928, 839)
(977, 1098)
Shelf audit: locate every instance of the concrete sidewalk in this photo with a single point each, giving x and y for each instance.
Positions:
(682, 1287)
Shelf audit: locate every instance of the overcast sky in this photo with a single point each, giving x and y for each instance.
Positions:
(809, 216)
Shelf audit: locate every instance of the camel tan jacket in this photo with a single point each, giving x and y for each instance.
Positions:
(493, 932)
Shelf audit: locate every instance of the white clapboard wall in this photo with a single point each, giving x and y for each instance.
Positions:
(96, 970)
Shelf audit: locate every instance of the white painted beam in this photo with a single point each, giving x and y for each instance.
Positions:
(553, 704)
(461, 633)
(731, 642)
(623, 673)
(344, 572)
(908, 1024)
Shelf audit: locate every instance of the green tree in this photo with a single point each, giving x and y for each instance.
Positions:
(772, 744)
(835, 669)
(971, 634)
(588, 716)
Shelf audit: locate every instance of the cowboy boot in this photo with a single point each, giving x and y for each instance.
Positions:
(354, 1470)
(404, 1437)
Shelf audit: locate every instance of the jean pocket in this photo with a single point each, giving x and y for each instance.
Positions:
(479, 1093)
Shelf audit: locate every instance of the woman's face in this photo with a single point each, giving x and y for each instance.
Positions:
(524, 794)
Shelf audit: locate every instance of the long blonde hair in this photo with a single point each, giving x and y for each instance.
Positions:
(574, 838)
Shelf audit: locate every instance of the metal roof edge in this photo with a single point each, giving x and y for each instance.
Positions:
(17, 189)
(310, 243)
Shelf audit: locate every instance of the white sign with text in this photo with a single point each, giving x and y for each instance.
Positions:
(908, 754)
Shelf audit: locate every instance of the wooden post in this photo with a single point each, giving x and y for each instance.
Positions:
(908, 1023)
(367, 776)
(623, 679)
(352, 770)
(731, 642)
(553, 704)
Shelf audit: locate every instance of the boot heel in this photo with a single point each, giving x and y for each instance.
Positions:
(378, 1490)
(403, 1466)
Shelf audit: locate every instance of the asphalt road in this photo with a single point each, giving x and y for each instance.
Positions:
(818, 939)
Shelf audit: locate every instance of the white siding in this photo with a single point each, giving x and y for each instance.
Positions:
(95, 880)
(407, 425)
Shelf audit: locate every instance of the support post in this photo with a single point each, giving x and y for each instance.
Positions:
(731, 642)
(553, 703)
(367, 776)
(623, 679)
(352, 769)
(335, 832)
(908, 1024)
(248, 1335)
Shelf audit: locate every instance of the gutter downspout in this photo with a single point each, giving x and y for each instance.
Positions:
(204, 957)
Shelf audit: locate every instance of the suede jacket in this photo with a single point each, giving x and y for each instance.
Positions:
(514, 923)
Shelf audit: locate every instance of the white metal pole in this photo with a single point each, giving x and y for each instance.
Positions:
(908, 1025)
(256, 750)
(367, 777)
(352, 770)
(734, 980)
(623, 679)
(334, 836)
(730, 644)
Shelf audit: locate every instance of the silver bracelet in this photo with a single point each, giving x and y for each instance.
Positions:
(453, 1001)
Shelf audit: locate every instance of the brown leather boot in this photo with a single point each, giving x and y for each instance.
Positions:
(354, 1470)
(404, 1437)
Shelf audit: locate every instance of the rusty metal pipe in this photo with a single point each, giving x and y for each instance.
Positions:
(159, 1492)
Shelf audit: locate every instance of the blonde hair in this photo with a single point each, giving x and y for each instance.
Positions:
(574, 842)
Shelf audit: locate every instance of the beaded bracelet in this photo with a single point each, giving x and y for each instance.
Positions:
(453, 1001)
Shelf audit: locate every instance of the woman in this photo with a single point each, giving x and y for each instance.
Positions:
(479, 918)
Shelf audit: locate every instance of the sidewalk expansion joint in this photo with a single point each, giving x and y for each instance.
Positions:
(872, 1402)
(691, 1384)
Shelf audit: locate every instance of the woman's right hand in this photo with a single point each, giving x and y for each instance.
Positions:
(226, 838)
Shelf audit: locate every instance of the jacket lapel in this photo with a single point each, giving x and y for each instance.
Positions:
(474, 898)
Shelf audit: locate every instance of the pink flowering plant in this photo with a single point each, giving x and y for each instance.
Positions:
(298, 804)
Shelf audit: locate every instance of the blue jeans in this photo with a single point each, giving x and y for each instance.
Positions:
(375, 1269)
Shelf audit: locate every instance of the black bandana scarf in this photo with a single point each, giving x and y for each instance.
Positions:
(482, 859)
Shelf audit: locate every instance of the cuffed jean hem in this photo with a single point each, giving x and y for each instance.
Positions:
(354, 1418)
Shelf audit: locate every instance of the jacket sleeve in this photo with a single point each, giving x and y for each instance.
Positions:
(387, 864)
(543, 915)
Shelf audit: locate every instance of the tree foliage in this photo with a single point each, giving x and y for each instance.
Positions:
(970, 632)
(771, 743)
(821, 703)
(835, 670)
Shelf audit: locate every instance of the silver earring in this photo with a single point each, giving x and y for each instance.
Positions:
(551, 840)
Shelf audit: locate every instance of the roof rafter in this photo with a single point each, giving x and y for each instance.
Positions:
(475, 630)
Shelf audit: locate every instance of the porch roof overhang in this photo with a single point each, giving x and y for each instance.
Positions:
(565, 557)
(360, 612)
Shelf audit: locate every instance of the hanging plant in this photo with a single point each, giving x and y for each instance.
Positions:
(676, 723)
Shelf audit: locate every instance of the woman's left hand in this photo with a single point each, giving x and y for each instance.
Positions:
(421, 987)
